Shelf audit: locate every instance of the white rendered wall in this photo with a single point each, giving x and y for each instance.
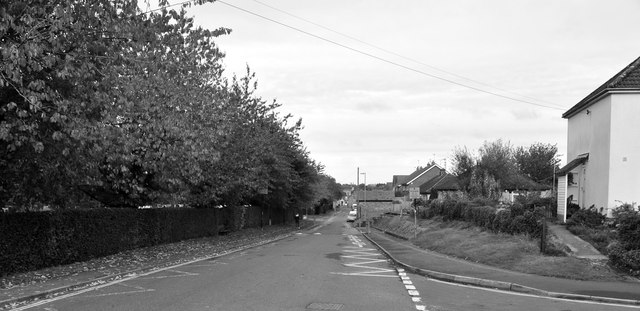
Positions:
(624, 173)
(589, 131)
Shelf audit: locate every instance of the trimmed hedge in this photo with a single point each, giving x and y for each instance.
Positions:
(34, 240)
(513, 220)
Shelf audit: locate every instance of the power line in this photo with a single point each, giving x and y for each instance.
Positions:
(398, 55)
(388, 61)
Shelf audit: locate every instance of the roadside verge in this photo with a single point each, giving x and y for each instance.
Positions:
(483, 282)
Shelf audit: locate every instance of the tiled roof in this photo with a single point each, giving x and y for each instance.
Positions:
(627, 79)
(521, 182)
(418, 173)
(449, 182)
(399, 179)
(426, 187)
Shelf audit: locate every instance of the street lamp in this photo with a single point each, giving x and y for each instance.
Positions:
(365, 200)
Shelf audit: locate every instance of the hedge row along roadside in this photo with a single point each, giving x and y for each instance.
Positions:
(36, 240)
(512, 220)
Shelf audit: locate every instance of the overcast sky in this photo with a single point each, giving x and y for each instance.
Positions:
(386, 112)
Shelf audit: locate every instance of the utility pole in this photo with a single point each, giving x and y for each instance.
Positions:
(365, 200)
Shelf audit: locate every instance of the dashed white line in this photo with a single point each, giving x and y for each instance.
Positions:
(411, 289)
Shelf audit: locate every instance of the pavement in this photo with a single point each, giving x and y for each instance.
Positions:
(446, 268)
(579, 248)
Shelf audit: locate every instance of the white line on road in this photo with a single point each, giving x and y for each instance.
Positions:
(137, 289)
(178, 275)
(415, 295)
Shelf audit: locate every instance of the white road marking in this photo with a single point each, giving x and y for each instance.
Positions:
(137, 289)
(356, 241)
(212, 264)
(364, 257)
(411, 289)
(178, 275)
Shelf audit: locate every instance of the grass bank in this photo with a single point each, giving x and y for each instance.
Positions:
(511, 252)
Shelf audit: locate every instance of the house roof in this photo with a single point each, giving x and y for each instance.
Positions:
(375, 195)
(449, 182)
(399, 179)
(573, 164)
(522, 182)
(441, 182)
(628, 79)
(419, 172)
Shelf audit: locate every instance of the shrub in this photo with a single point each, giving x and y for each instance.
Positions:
(482, 201)
(516, 209)
(528, 222)
(502, 221)
(632, 259)
(627, 223)
(572, 208)
(589, 218)
(622, 258)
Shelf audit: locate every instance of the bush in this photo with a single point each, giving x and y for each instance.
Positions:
(627, 224)
(632, 259)
(510, 221)
(501, 221)
(622, 258)
(589, 218)
(572, 208)
(516, 209)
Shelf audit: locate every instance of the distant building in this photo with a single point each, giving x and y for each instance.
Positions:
(409, 185)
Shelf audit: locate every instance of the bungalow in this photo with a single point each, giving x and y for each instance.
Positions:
(430, 188)
(412, 183)
(603, 146)
(446, 187)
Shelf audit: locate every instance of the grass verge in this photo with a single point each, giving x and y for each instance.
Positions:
(510, 252)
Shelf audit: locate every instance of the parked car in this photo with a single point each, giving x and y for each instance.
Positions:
(352, 216)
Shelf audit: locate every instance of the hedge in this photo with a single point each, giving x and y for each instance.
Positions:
(34, 240)
(514, 220)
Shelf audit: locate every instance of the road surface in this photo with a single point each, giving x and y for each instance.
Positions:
(331, 267)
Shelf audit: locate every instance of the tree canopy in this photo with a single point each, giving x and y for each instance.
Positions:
(501, 166)
(110, 101)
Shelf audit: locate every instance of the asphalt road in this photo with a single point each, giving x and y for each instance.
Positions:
(331, 267)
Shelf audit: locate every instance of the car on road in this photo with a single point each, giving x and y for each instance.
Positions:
(352, 216)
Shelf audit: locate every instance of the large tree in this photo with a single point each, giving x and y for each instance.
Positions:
(133, 105)
(538, 161)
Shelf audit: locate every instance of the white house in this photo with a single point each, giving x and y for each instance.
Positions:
(603, 146)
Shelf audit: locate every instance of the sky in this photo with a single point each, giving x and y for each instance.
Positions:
(386, 86)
